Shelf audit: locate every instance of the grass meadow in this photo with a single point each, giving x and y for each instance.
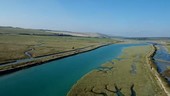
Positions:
(13, 46)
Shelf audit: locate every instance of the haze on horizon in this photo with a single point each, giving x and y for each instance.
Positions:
(130, 18)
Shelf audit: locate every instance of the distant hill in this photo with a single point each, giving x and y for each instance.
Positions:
(147, 38)
(82, 34)
(46, 32)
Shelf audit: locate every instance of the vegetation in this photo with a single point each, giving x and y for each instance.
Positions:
(22, 31)
(168, 46)
(131, 75)
(38, 46)
(13, 45)
(127, 75)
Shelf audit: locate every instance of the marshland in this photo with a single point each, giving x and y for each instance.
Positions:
(84, 48)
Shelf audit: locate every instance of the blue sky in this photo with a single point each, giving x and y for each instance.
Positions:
(115, 17)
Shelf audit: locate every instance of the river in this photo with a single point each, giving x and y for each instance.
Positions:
(57, 77)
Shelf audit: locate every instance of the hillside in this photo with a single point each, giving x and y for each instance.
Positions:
(44, 32)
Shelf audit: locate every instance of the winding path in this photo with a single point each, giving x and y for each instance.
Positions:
(28, 54)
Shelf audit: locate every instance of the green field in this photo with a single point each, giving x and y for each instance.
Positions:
(13, 46)
(130, 69)
(168, 46)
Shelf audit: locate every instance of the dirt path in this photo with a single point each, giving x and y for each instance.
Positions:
(28, 54)
(162, 85)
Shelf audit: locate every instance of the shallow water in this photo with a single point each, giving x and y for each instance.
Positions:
(57, 77)
(162, 54)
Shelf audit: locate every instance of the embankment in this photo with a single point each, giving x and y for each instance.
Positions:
(43, 59)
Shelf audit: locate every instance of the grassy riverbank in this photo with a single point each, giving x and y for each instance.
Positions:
(168, 46)
(43, 48)
(163, 83)
(13, 46)
(41, 60)
(131, 69)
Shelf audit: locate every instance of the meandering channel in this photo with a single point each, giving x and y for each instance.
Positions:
(57, 77)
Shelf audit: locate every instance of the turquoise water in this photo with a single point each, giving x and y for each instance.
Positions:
(57, 77)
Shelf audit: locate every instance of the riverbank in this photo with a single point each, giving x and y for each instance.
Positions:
(130, 72)
(9, 68)
(160, 79)
(57, 77)
(168, 48)
(14, 46)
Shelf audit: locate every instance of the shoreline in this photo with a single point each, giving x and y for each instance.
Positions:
(153, 68)
(48, 58)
